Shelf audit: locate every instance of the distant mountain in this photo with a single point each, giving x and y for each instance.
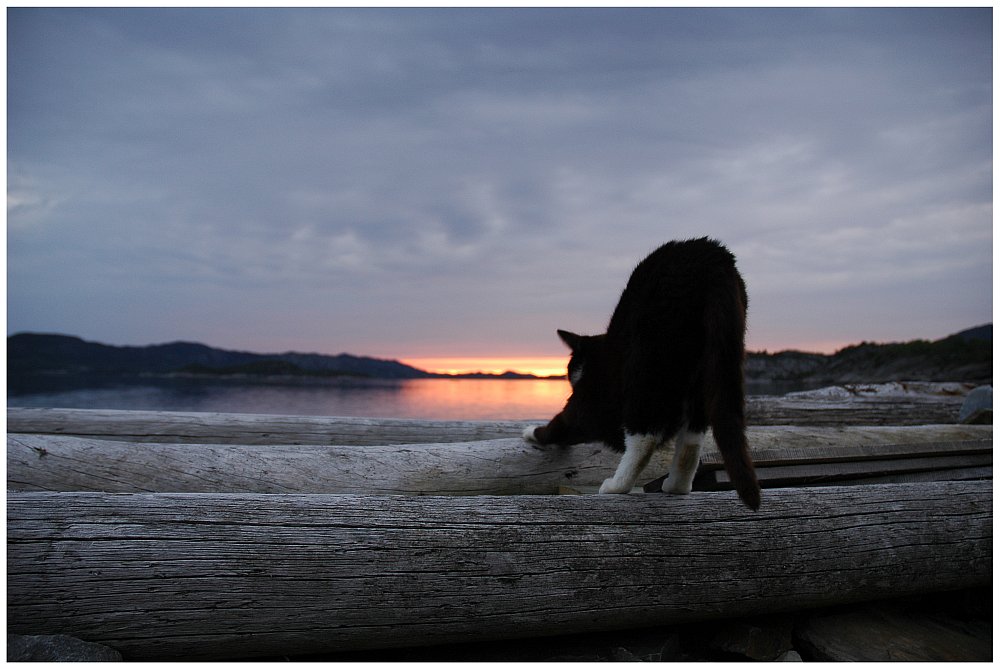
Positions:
(61, 354)
(964, 356)
(983, 332)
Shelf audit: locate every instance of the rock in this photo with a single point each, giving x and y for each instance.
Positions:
(977, 409)
(623, 655)
(649, 645)
(574, 659)
(887, 634)
(789, 656)
(57, 648)
(762, 639)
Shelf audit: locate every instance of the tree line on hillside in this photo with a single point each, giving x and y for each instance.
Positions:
(965, 356)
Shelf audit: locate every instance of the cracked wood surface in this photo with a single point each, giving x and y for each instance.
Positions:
(497, 466)
(198, 427)
(213, 576)
(501, 466)
(195, 427)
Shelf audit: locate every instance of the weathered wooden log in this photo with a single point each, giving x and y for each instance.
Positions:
(878, 410)
(184, 427)
(857, 462)
(196, 427)
(498, 467)
(890, 632)
(933, 467)
(501, 466)
(198, 576)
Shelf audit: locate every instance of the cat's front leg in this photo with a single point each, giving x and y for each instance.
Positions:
(685, 464)
(557, 431)
(638, 450)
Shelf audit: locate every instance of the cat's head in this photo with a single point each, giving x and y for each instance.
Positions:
(587, 352)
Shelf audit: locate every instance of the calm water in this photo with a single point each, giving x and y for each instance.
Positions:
(445, 399)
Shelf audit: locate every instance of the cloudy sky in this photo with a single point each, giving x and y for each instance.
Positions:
(419, 183)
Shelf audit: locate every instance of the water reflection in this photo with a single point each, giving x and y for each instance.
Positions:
(446, 399)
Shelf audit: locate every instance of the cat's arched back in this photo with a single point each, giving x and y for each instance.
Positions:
(670, 365)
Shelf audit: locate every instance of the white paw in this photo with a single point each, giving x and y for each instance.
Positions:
(675, 486)
(529, 434)
(613, 487)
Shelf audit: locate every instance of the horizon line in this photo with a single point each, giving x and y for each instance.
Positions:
(542, 366)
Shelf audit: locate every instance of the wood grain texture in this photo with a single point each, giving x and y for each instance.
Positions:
(886, 634)
(827, 473)
(499, 466)
(797, 445)
(205, 576)
(197, 427)
(860, 411)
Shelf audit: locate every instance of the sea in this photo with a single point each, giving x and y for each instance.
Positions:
(432, 399)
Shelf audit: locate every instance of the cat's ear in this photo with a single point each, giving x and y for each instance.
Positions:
(570, 339)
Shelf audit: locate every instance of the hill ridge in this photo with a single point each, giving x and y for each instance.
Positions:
(963, 356)
(35, 353)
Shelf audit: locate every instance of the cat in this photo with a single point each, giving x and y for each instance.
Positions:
(670, 364)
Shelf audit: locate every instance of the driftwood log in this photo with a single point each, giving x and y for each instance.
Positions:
(192, 572)
(887, 410)
(203, 576)
(492, 467)
(194, 427)
(235, 428)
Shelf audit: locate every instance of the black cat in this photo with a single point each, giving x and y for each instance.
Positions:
(671, 363)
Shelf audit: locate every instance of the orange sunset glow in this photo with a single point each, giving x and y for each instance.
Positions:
(539, 365)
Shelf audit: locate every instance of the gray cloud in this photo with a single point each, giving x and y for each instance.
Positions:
(408, 182)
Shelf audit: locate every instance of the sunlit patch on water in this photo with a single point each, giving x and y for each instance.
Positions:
(444, 399)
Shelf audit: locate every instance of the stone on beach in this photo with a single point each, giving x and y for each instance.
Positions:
(977, 409)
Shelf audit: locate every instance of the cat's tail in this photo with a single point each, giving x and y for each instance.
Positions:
(725, 326)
